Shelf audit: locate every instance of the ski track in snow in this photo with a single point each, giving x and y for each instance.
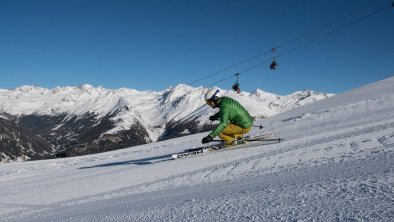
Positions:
(335, 164)
(326, 192)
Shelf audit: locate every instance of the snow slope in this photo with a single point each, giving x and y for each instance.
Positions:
(335, 164)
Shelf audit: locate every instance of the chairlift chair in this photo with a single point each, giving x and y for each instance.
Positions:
(273, 65)
(236, 85)
(236, 88)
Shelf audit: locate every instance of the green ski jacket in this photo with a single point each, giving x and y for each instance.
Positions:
(233, 112)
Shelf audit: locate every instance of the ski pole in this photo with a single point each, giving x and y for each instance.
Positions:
(268, 139)
(261, 126)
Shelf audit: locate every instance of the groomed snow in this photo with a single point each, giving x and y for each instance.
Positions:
(335, 164)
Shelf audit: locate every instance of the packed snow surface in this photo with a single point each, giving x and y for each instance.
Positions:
(335, 164)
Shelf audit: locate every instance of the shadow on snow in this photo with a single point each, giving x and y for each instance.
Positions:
(144, 161)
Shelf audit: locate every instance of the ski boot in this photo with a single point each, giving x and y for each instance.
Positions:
(237, 141)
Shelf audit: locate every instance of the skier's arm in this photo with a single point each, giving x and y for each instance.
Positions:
(215, 117)
(224, 120)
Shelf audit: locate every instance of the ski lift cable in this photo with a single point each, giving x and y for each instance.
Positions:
(318, 38)
(230, 67)
(309, 42)
(282, 45)
(325, 26)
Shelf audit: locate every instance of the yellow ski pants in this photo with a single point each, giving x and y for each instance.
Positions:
(231, 132)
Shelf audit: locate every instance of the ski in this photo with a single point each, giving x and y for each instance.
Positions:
(193, 152)
(212, 148)
(262, 137)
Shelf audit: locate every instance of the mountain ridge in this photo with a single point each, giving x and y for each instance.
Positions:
(135, 117)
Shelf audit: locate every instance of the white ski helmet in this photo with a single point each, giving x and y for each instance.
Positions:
(213, 94)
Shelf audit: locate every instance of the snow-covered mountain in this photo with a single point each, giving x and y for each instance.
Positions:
(335, 164)
(21, 144)
(128, 116)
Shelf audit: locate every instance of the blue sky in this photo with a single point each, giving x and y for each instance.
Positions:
(151, 45)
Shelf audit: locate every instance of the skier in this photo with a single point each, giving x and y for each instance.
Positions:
(234, 118)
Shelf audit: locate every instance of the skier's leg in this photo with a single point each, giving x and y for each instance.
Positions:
(242, 132)
(231, 132)
(228, 139)
(228, 133)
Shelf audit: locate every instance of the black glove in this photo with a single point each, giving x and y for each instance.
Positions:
(214, 117)
(206, 139)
